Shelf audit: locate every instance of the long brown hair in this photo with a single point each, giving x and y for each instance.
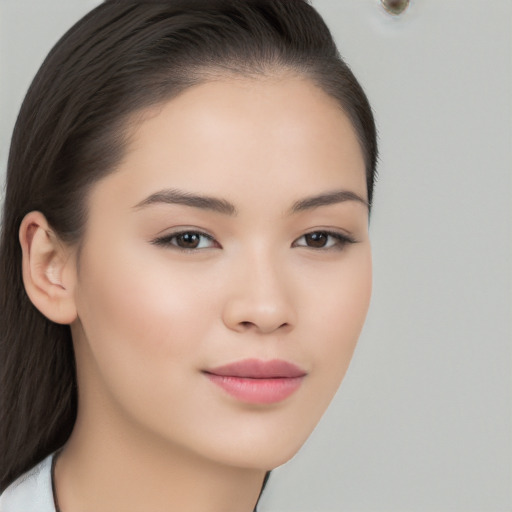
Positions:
(120, 58)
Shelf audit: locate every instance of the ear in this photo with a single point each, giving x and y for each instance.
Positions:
(49, 269)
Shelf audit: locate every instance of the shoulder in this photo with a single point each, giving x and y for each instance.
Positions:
(32, 491)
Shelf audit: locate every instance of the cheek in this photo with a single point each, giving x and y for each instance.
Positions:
(340, 312)
(347, 302)
(141, 318)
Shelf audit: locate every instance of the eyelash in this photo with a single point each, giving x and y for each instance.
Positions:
(341, 240)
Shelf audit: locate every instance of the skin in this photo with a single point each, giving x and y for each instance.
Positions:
(153, 433)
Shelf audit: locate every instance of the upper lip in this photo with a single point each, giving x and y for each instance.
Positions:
(258, 369)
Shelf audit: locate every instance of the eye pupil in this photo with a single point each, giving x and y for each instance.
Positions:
(188, 240)
(316, 239)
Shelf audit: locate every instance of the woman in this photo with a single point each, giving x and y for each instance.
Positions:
(185, 255)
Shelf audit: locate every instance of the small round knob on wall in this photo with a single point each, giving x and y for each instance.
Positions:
(395, 7)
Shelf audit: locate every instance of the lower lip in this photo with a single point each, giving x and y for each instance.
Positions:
(257, 391)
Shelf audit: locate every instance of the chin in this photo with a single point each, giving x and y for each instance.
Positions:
(266, 453)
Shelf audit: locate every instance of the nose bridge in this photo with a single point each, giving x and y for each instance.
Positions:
(260, 295)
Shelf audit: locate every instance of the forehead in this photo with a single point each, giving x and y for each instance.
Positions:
(288, 106)
(231, 136)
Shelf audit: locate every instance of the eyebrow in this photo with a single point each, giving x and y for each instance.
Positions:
(337, 196)
(175, 196)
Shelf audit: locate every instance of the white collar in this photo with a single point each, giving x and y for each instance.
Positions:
(32, 491)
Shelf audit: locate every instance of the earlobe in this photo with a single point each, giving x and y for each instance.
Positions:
(48, 269)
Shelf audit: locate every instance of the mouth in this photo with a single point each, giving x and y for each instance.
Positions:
(258, 382)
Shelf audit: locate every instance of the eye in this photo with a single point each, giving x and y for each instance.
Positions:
(324, 240)
(187, 240)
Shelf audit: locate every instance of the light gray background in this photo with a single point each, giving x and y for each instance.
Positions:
(423, 420)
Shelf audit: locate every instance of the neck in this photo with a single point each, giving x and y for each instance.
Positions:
(104, 469)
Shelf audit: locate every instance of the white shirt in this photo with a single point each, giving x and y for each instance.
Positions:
(32, 491)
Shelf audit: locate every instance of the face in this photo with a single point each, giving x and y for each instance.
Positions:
(225, 272)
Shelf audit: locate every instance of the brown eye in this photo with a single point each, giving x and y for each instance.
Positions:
(187, 240)
(324, 240)
(316, 239)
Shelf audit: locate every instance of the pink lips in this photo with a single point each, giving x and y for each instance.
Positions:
(256, 381)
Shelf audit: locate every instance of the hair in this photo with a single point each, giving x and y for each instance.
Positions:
(121, 58)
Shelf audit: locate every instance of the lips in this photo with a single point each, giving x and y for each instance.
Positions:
(256, 381)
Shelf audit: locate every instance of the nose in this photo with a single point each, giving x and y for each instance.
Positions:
(259, 297)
